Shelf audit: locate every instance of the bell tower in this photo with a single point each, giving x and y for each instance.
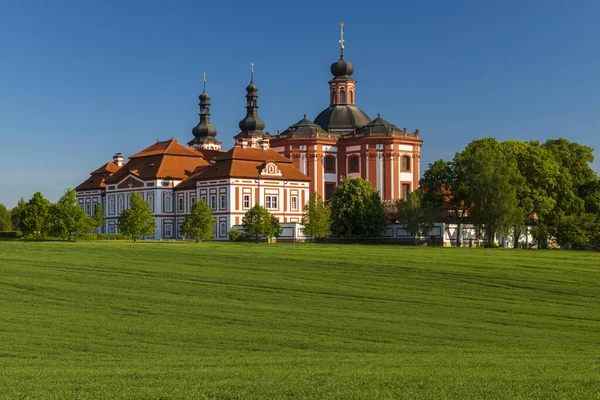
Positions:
(252, 126)
(342, 87)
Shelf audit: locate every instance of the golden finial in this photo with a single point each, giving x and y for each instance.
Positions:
(342, 37)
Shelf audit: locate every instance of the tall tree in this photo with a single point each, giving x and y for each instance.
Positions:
(493, 179)
(34, 217)
(444, 184)
(316, 218)
(356, 209)
(97, 219)
(537, 191)
(200, 224)
(417, 219)
(67, 217)
(16, 215)
(258, 222)
(137, 221)
(5, 219)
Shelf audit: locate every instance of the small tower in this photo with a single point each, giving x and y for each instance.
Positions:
(252, 126)
(342, 86)
(204, 133)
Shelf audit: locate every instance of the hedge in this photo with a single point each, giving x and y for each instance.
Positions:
(11, 234)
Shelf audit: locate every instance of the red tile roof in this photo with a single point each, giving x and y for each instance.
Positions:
(97, 179)
(245, 163)
(162, 160)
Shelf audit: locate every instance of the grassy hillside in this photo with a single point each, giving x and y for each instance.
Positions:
(243, 321)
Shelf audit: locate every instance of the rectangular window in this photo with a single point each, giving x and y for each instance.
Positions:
(354, 164)
(330, 164)
(294, 203)
(87, 209)
(192, 201)
(223, 201)
(111, 205)
(111, 229)
(151, 202)
(168, 230)
(203, 198)
(405, 190)
(329, 188)
(222, 229)
(271, 202)
(95, 207)
(168, 203)
(213, 201)
(246, 201)
(180, 204)
(405, 163)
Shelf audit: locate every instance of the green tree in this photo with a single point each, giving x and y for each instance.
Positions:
(200, 224)
(492, 178)
(34, 218)
(258, 222)
(316, 218)
(137, 221)
(445, 184)
(417, 219)
(67, 217)
(356, 209)
(16, 215)
(97, 219)
(5, 219)
(578, 232)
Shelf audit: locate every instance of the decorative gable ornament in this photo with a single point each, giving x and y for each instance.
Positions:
(270, 169)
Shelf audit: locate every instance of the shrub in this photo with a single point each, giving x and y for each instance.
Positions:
(11, 234)
(235, 235)
(113, 236)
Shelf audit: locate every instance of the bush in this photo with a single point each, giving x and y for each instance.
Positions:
(113, 236)
(235, 235)
(11, 234)
(492, 245)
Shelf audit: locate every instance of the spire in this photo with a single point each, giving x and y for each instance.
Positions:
(204, 133)
(252, 125)
(342, 40)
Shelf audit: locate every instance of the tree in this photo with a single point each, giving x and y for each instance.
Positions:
(578, 232)
(34, 219)
(137, 221)
(258, 222)
(200, 224)
(16, 215)
(5, 219)
(67, 217)
(316, 218)
(97, 219)
(492, 178)
(417, 219)
(356, 209)
(445, 183)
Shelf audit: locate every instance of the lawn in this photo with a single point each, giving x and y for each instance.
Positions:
(247, 321)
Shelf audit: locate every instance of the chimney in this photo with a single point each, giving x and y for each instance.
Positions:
(118, 159)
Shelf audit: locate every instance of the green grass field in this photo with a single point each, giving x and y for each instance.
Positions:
(248, 321)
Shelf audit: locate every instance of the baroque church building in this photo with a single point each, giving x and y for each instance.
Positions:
(278, 172)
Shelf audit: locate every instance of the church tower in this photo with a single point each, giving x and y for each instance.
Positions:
(252, 126)
(204, 133)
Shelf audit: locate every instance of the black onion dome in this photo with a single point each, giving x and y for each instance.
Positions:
(252, 88)
(342, 68)
(252, 124)
(204, 97)
(342, 117)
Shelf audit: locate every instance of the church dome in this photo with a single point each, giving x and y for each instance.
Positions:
(342, 117)
(342, 68)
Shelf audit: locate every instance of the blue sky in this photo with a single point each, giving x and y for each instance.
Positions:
(81, 80)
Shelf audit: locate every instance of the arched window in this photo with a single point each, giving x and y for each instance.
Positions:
(405, 163)
(342, 97)
(329, 162)
(351, 95)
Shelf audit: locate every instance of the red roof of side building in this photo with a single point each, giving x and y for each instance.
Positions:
(97, 179)
(245, 163)
(167, 159)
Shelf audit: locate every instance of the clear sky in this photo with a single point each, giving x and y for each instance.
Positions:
(81, 80)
